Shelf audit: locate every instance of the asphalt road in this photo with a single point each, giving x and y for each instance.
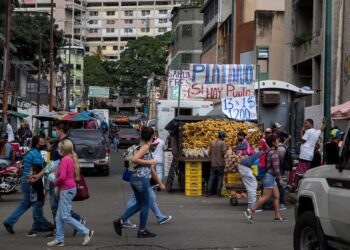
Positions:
(199, 222)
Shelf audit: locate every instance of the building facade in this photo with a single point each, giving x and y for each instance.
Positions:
(186, 48)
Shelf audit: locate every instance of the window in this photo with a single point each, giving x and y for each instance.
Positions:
(110, 13)
(93, 13)
(210, 12)
(163, 12)
(186, 30)
(93, 30)
(145, 30)
(93, 22)
(103, 47)
(77, 82)
(87, 49)
(115, 47)
(78, 67)
(186, 58)
(162, 29)
(127, 100)
(209, 41)
(110, 21)
(129, 13)
(163, 20)
(129, 21)
(110, 39)
(128, 30)
(110, 30)
(146, 12)
(121, 47)
(76, 31)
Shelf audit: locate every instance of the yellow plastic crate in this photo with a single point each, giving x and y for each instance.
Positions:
(193, 173)
(190, 165)
(191, 179)
(190, 192)
(193, 185)
(233, 178)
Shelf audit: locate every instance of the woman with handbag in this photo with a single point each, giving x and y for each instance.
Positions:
(67, 174)
(140, 183)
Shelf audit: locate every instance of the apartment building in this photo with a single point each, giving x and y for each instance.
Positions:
(305, 48)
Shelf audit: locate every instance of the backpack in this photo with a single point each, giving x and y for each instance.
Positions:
(261, 162)
(128, 155)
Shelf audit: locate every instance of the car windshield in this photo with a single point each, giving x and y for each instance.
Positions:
(124, 131)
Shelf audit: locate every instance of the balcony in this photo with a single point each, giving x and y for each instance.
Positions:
(307, 50)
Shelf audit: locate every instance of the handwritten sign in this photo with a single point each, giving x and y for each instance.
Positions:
(239, 108)
(238, 74)
(174, 77)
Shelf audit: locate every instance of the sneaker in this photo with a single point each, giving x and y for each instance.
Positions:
(129, 224)
(258, 210)
(83, 222)
(32, 234)
(281, 219)
(55, 243)
(9, 228)
(118, 226)
(51, 235)
(283, 207)
(249, 215)
(88, 238)
(145, 234)
(165, 220)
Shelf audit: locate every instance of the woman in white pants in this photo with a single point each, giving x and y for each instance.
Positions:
(248, 178)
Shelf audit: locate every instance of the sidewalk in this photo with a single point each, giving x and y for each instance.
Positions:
(198, 223)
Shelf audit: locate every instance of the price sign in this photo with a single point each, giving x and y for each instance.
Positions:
(239, 108)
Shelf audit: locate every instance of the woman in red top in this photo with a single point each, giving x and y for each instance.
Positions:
(67, 174)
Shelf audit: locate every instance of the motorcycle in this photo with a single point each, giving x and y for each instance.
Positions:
(10, 175)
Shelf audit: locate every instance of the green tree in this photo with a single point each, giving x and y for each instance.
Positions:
(95, 73)
(142, 58)
(99, 53)
(198, 3)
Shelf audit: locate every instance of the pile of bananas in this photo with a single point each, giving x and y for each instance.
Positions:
(198, 135)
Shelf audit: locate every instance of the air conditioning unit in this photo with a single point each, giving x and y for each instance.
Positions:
(270, 98)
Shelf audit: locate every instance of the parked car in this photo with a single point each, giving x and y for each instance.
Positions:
(92, 149)
(322, 210)
(128, 137)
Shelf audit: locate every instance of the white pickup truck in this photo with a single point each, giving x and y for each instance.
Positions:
(323, 208)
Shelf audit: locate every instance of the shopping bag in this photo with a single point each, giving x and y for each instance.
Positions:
(82, 190)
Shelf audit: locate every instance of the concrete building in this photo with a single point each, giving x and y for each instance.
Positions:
(305, 46)
(186, 48)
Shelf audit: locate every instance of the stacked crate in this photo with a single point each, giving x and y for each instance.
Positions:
(193, 178)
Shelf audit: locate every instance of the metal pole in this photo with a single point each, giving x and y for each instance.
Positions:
(51, 61)
(68, 80)
(179, 95)
(259, 94)
(38, 85)
(232, 54)
(328, 68)
(7, 65)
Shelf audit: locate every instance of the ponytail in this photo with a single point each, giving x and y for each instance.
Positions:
(76, 166)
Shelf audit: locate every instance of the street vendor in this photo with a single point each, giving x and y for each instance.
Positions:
(217, 151)
(243, 148)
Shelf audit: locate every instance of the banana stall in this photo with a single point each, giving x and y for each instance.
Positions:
(190, 139)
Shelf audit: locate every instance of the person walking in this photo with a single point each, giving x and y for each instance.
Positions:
(67, 174)
(140, 183)
(272, 165)
(217, 151)
(309, 138)
(9, 131)
(263, 147)
(40, 223)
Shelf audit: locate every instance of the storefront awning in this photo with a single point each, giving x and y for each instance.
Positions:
(341, 112)
(17, 114)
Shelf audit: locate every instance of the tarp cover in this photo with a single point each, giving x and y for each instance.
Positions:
(341, 112)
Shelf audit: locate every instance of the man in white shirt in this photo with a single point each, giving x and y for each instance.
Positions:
(309, 138)
(9, 131)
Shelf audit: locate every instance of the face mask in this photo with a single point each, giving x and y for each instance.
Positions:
(59, 152)
(42, 147)
(54, 134)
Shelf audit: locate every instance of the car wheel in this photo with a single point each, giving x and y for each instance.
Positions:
(105, 171)
(307, 235)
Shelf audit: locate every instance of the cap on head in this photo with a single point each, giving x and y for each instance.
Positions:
(277, 125)
(268, 131)
(336, 133)
(222, 134)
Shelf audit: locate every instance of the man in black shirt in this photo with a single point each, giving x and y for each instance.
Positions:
(331, 149)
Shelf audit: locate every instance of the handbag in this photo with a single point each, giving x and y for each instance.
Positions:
(82, 190)
(126, 175)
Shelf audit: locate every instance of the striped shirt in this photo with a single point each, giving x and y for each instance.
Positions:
(273, 163)
(33, 156)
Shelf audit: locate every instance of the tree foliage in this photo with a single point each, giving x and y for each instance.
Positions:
(198, 3)
(95, 73)
(142, 58)
(25, 34)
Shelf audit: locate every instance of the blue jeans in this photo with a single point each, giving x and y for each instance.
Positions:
(39, 221)
(153, 204)
(216, 173)
(140, 186)
(64, 215)
(54, 200)
(269, 181)
(160, 170)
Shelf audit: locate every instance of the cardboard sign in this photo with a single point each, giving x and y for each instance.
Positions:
(239, 108)
(238, 74)
(174, 77)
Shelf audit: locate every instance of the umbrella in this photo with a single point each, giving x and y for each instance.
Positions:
(76, 117)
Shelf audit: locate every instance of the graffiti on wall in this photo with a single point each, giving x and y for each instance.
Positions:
(347, 69)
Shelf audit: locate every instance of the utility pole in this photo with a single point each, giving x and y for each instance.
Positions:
(39, 82)
(51, 61)
(69, 76)
(328, 69)
(7, 65)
